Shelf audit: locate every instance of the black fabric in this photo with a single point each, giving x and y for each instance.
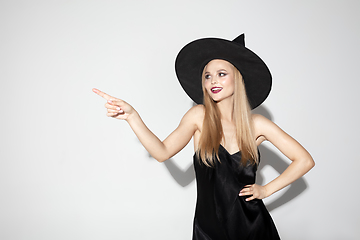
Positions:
(221, 214)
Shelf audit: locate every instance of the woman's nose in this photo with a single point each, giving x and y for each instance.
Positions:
(213, 80)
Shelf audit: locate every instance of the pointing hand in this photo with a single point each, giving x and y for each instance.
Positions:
(116, 108)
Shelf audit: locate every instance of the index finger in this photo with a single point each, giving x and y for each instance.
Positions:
(102, 94)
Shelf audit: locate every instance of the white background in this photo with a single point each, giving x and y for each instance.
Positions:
(69, 172)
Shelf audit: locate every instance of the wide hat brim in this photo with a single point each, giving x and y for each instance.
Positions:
(192, 59)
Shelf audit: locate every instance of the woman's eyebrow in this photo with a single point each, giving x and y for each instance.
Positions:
(207, 72)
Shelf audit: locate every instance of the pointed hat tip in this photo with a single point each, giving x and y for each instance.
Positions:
(240, 39)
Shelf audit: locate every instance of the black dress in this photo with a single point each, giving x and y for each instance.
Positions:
(221, 214)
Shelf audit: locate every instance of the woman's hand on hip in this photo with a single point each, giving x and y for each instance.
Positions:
(257, 191)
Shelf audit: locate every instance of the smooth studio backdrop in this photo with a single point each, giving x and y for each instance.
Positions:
(69, 172)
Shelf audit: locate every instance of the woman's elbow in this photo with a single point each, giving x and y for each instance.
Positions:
(160, 159)
(309, 163)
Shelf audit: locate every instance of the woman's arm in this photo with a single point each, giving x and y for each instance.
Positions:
(302, 162)
(160, 150)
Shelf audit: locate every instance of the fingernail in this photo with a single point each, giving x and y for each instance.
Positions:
(109, 101)
(117, 108)
(240, 194)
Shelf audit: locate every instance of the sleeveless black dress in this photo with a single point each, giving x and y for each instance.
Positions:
(221, 214)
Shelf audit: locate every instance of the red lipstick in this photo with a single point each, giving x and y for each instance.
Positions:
(216, 89)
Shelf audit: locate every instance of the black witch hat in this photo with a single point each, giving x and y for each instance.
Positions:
(192, 59)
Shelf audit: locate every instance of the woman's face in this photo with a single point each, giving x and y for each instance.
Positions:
(219, 79)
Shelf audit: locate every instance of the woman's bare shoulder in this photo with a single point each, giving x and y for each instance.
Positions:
(259, 119)
(197, 111)
(260, 122)
(266, 128)
(195, 115)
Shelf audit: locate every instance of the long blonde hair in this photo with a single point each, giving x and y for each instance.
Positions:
(212, 132)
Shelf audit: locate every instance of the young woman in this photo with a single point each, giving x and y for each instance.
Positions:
(227, 80)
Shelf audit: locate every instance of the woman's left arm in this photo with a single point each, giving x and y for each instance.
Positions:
(302, 161)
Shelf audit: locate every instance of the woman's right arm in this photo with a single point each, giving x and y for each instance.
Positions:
(160, 150)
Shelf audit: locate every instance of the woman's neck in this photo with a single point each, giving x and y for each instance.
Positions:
(226, 109)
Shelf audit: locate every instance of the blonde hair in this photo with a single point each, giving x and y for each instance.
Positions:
(212, 132)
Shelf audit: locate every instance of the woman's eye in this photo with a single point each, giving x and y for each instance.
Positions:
(222, 74)
(207, 76)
